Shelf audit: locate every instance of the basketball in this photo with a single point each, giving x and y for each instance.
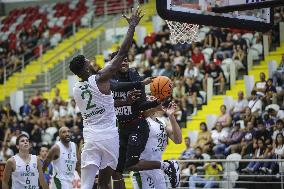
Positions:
(161, 87)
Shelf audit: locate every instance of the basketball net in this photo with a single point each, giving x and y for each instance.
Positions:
(183, 32)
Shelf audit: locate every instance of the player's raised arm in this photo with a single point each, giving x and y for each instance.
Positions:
(115, 64)
(7, 173)
(173, 129)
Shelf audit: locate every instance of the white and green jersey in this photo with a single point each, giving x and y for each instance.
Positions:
(64, 165)
(156, 144)
(25, 175)
(97, 110)
(157, 140)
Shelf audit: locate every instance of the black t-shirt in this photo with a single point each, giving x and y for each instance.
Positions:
(270, 89)
(191, 89)
(214, 73)
(120, 90)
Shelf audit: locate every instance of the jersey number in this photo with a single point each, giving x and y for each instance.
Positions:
(89, 94)
(69, 167)
(150, 182)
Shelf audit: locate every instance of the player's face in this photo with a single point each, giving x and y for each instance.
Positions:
(24, 144)
(89, 67)
(65, 135)
(124, 66)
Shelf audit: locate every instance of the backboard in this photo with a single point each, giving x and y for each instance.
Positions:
(200, 12)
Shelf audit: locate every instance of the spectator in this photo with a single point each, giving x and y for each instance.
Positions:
(10, 112)
(218, 134)
(225, 118)
(278, 75)
(248, 116)
(192, 92)
(234, 137)
(239, 106)
(239, 41)
(226, 48)
(37, 99)
(275, 115)
(216, 73)
(73, 109)
(178, 73)
(43, 151)
(167, 71)
(277, 153)
(238, 58)
(5, 152)
(212, 172)
(258, 154)
(179, 93)
(204, 138)
(255, 104)
(261, 133)
(198, 58)
(57, 98)
(188, 152)
(260, 86)
(192, 72)
(279, 129)
(197, 156)
(246, 145)
(270, 93)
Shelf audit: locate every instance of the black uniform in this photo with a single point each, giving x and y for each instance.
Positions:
(133, 127)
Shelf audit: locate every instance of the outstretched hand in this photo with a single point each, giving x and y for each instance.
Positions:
(135, 17)
(148, 80)
(171, 109)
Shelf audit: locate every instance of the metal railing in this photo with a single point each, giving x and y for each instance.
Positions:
(231, 176)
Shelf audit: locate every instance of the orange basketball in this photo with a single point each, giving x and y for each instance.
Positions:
(161, 87)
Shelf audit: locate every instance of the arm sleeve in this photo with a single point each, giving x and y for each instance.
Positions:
(124, 86)
(146, 105)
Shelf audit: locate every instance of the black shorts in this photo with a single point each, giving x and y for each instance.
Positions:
(132, 141)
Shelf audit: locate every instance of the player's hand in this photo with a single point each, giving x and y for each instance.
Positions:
(135, 17)
(171, 109)
(148, 80)
(133, 95)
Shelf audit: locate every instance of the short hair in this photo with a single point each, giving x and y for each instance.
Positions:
(77, 63)
(198, 147)
(279, 121)
(19, 138)
(43, 146)
(253, 92)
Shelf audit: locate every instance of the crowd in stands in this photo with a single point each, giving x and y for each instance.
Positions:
(27, 31)
(252, 127)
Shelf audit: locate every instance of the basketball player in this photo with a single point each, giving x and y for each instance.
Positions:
(95, 101)
(133, 127)
(63, 155)
(24, 168)
(160, 130)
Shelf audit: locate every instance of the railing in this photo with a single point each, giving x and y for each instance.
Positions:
(231, 176)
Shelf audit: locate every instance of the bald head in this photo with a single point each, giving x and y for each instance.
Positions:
(64, 134)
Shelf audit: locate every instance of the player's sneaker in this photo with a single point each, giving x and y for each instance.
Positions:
(173, 172)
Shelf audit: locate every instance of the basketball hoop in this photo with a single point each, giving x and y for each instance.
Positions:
(182, 32)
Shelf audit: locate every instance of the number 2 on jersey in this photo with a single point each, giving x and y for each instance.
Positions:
(87, 92)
